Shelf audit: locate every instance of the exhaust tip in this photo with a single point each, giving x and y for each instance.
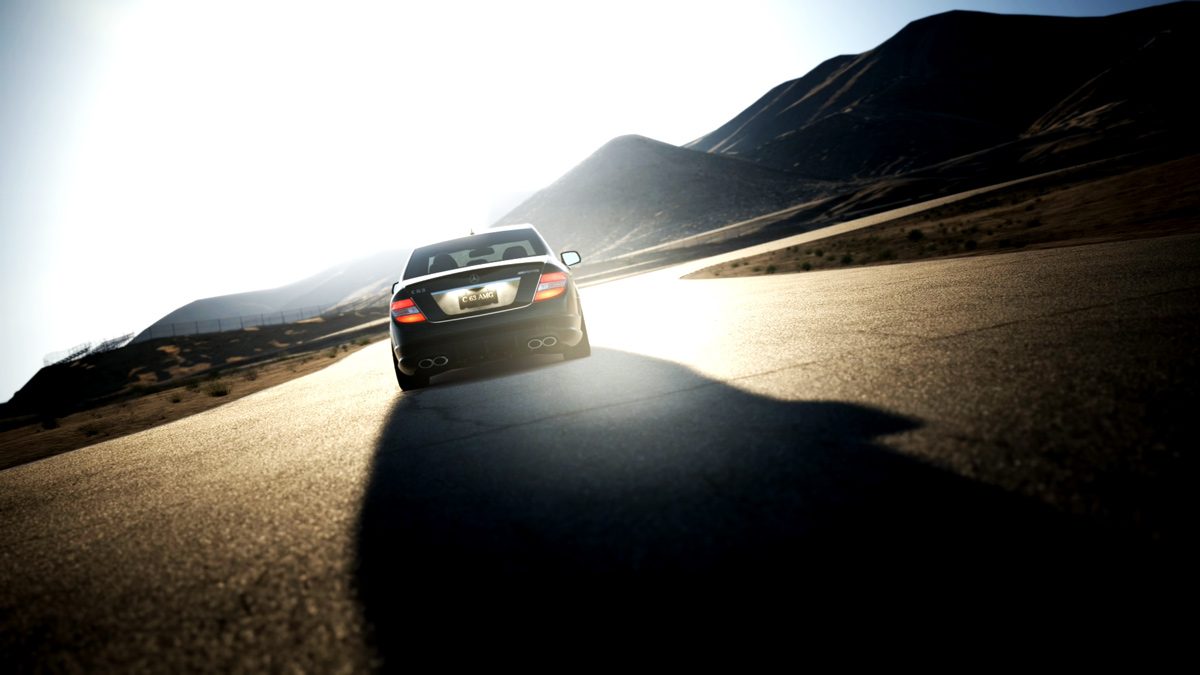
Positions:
(535, 343)
(433, 362)
(549, 341)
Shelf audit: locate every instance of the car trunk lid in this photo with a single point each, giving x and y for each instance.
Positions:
(480, 289)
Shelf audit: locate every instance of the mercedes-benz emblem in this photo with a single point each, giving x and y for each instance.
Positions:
(474, 278)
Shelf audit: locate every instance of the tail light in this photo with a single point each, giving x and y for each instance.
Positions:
(550, 285)
(406, 311)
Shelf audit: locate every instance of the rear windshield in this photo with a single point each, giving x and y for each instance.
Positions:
(477, 250)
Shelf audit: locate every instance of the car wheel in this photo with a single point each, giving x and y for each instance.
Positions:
(408, 382)
(584, 348)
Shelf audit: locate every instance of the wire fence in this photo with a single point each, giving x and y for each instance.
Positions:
(221, 325)
(199, 327)
(82, 350)
(363, 303)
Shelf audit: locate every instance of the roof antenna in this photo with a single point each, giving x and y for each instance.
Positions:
(472, 232)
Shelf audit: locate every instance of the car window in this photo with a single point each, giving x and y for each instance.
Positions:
(477, 250)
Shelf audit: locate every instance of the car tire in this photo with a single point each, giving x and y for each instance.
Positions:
(408, 382)
(584, 348)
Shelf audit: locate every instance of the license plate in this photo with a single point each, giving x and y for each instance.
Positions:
(474, 299)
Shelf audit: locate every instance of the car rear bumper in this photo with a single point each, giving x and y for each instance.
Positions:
(489, 337)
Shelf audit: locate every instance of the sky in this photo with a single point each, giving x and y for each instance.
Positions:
(157, 152)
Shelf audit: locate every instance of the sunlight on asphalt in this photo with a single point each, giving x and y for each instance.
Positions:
(720, 329)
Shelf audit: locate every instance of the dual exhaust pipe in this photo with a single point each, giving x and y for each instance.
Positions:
(533, 345)
(433, 362)
(538, 343)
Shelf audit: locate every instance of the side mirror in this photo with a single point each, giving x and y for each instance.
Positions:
(395, 285)
(570, 258)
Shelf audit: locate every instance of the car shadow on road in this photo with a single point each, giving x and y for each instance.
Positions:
(494, 370)
(620, 480)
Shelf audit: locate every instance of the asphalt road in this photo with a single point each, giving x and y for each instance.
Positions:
(995, 429)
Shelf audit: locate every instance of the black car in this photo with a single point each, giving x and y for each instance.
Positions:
(488, 296)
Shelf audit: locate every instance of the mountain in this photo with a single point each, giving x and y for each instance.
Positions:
(953, 101)
(636, 192)
(341, 284)
(961, 82)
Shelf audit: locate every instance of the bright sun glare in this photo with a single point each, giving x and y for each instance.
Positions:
(187, 150)
(303, 134)
(253, 124)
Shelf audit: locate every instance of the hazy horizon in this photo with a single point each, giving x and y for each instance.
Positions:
(152, 154)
